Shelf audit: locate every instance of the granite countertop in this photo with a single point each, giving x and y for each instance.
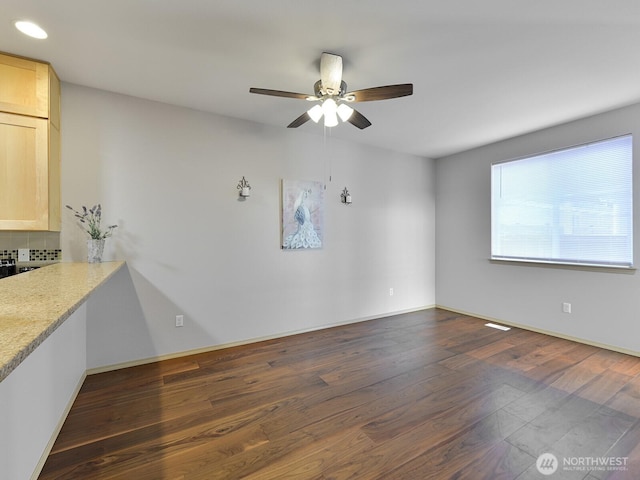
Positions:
(34, 304)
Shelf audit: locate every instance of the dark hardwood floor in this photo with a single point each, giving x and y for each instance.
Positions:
(426, 395)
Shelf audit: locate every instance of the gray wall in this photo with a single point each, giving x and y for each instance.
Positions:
(168, 177)
(605, 303)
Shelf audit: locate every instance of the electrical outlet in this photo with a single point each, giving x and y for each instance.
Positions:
(179, 320)
(23, 254)
(391, 292)
(566, 307)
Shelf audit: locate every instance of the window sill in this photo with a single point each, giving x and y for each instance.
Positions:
(565, 266)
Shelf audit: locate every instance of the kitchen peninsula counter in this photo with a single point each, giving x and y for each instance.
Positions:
(34, 304)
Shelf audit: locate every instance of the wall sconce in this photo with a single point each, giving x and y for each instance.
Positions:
(345, 196)
(244, 188)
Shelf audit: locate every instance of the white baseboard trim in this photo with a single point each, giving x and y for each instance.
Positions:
(545, 332)
(170, 356)
(56, 432)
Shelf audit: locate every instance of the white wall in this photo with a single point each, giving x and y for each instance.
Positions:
(34, 397)
(168, 177)
(606, 304)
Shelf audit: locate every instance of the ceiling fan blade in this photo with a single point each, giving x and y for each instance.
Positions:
(280, 93)
(331, 73)
(359, 120)
(380, 93)
(302, 119)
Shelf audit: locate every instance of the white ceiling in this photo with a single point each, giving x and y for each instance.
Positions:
(482, 70)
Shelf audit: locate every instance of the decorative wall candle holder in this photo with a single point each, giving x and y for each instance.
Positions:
(345, 196)
(244, 188)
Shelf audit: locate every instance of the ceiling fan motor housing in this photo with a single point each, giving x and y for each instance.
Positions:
(320, 91)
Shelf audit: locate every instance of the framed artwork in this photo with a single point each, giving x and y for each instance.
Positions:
(302, 214)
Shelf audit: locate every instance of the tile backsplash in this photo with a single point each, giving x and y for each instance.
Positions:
(43, 246)
(34, 255)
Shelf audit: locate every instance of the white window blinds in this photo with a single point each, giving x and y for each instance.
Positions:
(571, 206)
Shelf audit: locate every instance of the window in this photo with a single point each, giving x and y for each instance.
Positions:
(571, 206)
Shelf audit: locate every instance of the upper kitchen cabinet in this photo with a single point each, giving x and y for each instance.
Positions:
(29, 145)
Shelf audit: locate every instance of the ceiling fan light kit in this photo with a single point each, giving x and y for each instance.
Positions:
(331, 92)
(344, 112)
(315, 113)
(330, 112)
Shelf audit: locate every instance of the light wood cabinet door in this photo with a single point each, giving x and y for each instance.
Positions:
(29, 145)
(24, 88)
(24, 173)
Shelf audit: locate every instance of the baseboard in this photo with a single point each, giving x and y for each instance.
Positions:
(56, 432)
(545, 332)
(212, 348)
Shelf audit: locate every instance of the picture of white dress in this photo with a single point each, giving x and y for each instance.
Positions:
(302, 214)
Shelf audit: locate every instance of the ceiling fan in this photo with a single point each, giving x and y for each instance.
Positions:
(331, 93)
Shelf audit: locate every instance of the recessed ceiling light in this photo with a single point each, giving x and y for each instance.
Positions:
(31, 29)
